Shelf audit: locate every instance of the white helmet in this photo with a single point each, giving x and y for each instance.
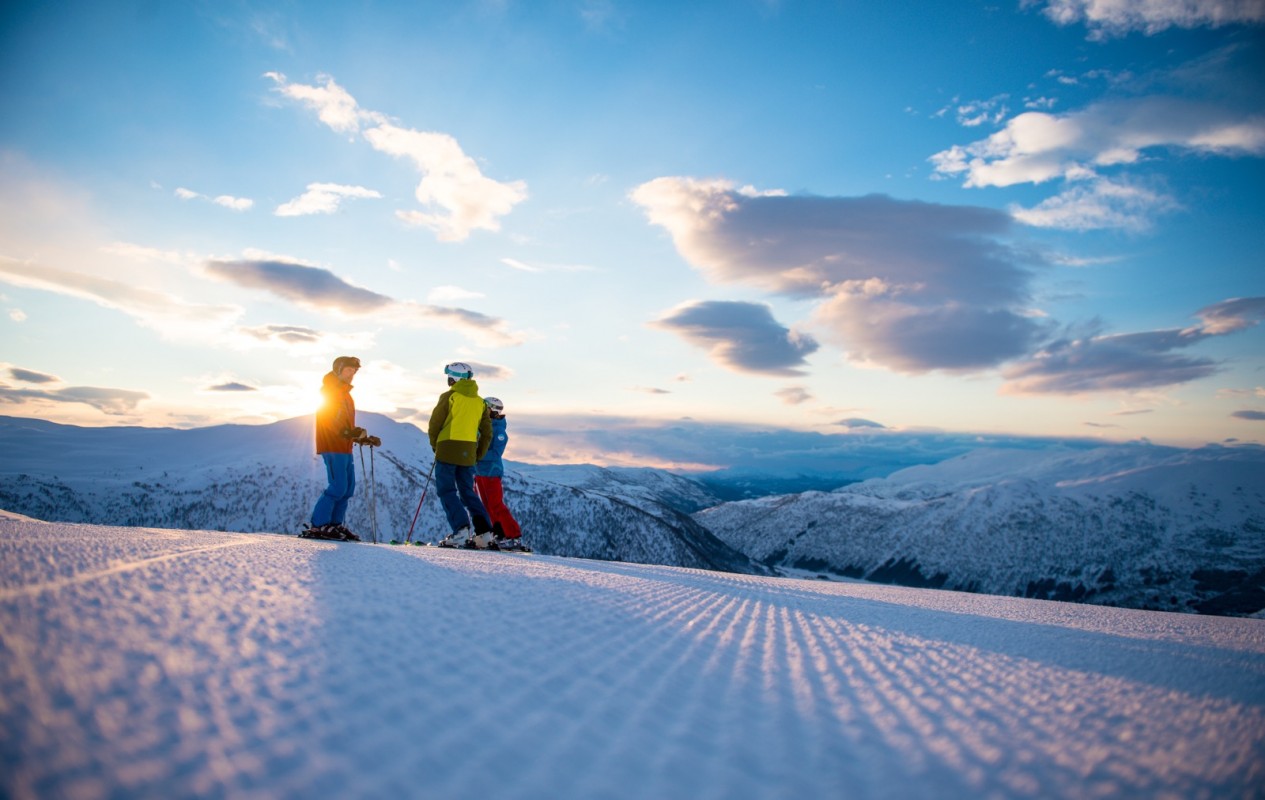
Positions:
(494, 405)
(459, 370)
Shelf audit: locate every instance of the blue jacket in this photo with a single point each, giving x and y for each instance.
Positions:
(490, 465)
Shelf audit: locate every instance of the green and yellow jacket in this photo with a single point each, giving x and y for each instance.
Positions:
(460, 428)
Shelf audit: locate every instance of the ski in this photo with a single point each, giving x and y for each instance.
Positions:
(328, 533)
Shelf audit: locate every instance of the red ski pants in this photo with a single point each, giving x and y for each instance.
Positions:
(493, 498)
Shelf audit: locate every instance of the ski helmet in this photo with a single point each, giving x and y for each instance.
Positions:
(459, 370)
(345, 361)
(494, 405)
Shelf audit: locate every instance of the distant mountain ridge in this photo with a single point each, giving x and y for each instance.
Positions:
(1132, 525)
(267, 477)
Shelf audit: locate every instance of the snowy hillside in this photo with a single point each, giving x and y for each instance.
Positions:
(266, 478)
(147, 663)
(1131, 525)
(683, 494)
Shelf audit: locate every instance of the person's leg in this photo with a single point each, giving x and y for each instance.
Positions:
(348, 465)
(335, 491)
(493, 497)
(470, 499)
(449, 496)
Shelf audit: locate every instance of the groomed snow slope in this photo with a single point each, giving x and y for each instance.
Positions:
(157, 663)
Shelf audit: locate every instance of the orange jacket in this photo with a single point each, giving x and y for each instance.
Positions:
(336, 416)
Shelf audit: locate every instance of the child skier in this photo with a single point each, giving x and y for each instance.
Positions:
(487, 479)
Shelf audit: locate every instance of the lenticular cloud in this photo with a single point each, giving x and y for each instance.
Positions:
(910, 286)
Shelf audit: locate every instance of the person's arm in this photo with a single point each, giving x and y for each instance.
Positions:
(437, 419)
(485, 434)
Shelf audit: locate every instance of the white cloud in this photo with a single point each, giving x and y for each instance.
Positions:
(523, 266)
(979, 112)
(333, 105)
(519, 265)
(451, 294)
(1107, 18)
(322, 198)
(1098, 204)
(1035, 147)
(451, 182)
(456, 196)
(225, 200)
(234, 203)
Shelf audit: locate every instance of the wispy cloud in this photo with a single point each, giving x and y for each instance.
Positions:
(741, 336)
(523, 266)
(1106, 19)
(1098, 204)
(166, 313)
(1096, 362)
(1035, 147)
(446, 295)
(320, 289)
(115, 402)
(859, 423)
(299, 283)
(793, 395)
(456, 196)
(225, 200)
(30, 376)
(285, 334)
(322, 198)
(911, 286)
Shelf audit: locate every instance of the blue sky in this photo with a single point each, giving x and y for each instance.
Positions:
(828, 220)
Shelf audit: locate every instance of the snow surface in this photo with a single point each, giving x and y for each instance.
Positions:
(158, 663)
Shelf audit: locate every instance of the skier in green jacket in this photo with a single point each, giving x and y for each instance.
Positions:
(460, 434)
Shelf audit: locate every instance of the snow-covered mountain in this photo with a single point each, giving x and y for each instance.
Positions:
(683, 494)
(1134, 525)
(266, 478)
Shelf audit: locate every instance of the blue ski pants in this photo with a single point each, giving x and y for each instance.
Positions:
(331, 506)
(462, 506)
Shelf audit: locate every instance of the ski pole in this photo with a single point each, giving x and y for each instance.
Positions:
(373, 499)
(425, 489)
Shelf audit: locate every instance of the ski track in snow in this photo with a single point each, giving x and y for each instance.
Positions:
(151, 663)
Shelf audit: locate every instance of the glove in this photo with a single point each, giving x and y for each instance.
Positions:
(373, 441)
(357, 433)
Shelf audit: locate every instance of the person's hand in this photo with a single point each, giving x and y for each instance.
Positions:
(357, 433)
(373, 441)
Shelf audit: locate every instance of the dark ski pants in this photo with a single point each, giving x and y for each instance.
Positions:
(455, 485)
(331, 506)
(493, 496)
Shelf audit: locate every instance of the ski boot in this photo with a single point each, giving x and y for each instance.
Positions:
(347, 535)
(459, 538)
(326, 531)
